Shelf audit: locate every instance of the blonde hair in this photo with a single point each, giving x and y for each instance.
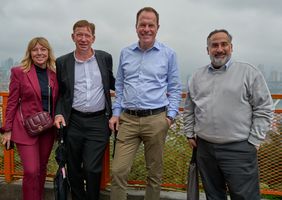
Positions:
(27, 62)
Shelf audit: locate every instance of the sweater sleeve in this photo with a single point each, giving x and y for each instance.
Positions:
(262, 105)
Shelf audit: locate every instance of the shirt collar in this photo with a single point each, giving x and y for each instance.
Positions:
(136, 46)
(84, 61)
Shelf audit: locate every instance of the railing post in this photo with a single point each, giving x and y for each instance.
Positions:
(106, 168)
(8, 155)
(106, 163)
(8, 160)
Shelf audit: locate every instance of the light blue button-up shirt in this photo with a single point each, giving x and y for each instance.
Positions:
(147, 79)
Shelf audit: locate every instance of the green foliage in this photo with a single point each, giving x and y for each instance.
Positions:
(177, 154)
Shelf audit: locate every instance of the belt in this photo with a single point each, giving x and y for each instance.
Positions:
(87, 114)
(144, 113)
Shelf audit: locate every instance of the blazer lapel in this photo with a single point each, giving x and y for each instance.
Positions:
(52, 81)
(70, 72)
(51, 78)
(32, 76)
(101, 67)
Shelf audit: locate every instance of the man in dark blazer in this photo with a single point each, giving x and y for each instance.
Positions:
(84, 107)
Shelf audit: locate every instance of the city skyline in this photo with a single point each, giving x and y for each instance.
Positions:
(274, 79)
(272, 76)
(184, 26)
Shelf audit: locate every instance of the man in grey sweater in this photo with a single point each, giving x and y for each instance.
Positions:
(228, 111)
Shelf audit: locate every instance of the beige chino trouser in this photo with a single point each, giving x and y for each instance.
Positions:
(152, 131)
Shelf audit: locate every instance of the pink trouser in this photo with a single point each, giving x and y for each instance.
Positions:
(34, 160)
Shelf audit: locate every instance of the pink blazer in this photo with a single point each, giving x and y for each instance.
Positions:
(25, 86)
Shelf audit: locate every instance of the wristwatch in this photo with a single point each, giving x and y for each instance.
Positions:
(171, 119)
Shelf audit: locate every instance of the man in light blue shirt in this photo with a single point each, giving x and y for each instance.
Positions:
(148, 93)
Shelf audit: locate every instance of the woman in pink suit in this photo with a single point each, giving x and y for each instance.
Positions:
(29, 94)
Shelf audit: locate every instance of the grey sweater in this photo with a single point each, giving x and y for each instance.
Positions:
(230, 104)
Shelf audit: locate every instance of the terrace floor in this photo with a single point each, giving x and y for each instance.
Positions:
(12, 191)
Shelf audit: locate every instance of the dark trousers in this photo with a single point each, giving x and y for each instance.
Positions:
(86, 140)
(233, 166)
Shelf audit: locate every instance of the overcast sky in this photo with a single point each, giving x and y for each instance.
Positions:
(256, 27)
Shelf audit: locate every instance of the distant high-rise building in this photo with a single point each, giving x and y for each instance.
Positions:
(8, 63)
(274, 76)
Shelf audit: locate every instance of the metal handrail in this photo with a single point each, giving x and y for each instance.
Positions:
(9, 163)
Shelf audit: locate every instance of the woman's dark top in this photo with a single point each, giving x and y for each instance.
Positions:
(44, 86)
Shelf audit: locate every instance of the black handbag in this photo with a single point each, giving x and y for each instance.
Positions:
(193, 178)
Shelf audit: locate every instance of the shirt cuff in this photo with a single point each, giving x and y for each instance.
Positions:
(3, 130)
(116, 112)
(171, 114)
(190, 135)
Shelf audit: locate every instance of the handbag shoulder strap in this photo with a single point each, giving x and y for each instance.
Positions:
(49, 95)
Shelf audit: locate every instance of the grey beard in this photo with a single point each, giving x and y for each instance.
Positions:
(218, 62)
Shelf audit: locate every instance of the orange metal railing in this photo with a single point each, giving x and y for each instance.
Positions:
(7, 166)
(175, 168)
